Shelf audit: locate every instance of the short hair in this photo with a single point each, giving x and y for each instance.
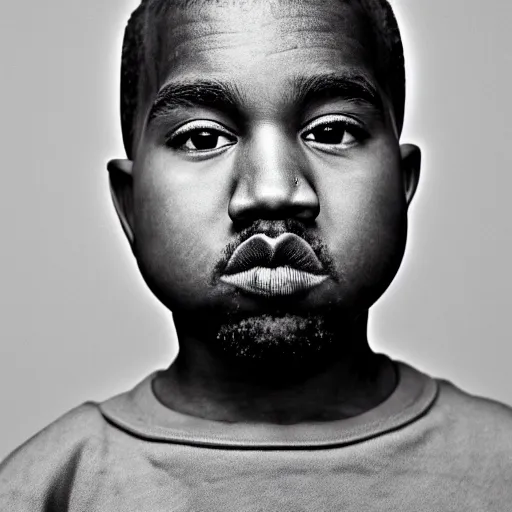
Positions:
(141, 27)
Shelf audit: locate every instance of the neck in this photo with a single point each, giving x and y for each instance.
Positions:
(344, 381)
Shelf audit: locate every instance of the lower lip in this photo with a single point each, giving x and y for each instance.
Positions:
(273, 282)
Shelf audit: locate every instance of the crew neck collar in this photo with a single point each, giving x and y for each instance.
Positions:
(140, 413)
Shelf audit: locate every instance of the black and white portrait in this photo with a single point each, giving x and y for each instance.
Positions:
(255, 255)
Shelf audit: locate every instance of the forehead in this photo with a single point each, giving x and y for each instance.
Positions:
(260, 43)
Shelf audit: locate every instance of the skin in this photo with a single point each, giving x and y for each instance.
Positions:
(181, 208)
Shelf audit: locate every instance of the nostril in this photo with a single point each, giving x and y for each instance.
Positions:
(272, 207)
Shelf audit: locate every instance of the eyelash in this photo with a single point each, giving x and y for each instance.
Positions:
(179, 137)
(348, 124)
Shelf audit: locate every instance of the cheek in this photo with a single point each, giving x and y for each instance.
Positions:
(180, 226)
(364, 217)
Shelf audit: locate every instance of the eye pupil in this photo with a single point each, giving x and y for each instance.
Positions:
(329, 134)
(204, 140)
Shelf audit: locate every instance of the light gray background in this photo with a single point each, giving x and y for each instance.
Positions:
(78, 323)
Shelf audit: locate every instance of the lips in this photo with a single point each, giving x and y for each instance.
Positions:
(274, 266)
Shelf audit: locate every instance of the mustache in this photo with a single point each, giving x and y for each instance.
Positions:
(274, 229)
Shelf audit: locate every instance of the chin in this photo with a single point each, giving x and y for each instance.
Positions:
(285, 340)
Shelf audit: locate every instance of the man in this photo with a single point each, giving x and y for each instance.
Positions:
(265, 198)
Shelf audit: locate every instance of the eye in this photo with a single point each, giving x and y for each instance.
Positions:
(201, 137)
(333, 132)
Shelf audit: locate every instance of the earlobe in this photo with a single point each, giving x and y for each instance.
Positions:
(411, 164)
(121, 189)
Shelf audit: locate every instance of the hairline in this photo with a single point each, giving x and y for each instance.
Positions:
(392, 81)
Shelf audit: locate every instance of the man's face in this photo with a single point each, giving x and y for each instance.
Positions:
(268, 173)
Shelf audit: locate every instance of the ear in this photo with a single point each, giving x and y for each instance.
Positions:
(411, 163)
(121, 189)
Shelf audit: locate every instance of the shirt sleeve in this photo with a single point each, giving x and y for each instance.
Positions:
(38, 476)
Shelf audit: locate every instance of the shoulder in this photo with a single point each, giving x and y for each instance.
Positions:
(77, 426)
(478, 410)
(31, 471)
(472, 423)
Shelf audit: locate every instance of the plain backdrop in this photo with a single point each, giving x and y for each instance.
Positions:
(77, 321)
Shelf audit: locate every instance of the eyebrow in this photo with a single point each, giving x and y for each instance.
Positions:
(196, 93)
(225, 96)
(349, 86)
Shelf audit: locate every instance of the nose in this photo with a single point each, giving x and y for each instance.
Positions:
(272, 180)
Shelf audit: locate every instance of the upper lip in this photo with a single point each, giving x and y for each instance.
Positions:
(287, 249)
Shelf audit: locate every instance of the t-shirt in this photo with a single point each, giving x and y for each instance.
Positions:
(428, 447)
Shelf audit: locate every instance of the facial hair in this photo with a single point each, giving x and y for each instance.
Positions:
(268, 337)
(279, 333)
(273, 229)
(285, 344)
